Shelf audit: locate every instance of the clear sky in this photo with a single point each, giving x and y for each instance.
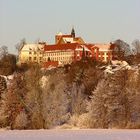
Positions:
(97, 21)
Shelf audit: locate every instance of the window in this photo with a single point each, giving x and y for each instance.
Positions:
(34, 58)
(30, 52)
(49, 59)
(30, 58)
(34, 52)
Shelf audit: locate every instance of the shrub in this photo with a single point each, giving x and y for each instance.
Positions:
(21, 121)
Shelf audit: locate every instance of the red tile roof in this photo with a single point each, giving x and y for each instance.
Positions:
(51, 64)
(89, 46)
(103, 47)
(65, 35)
(68, 46)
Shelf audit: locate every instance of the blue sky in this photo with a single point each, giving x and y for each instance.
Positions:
(97, 21)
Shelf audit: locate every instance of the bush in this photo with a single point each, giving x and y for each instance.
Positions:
(21, 121)
(7, 64)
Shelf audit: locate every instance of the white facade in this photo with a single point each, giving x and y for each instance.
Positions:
(104, 52)
(64, 57)
(31, 53)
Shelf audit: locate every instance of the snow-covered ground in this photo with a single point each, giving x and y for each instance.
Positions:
(95, 134)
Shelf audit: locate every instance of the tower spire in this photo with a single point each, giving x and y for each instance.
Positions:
(73, 32)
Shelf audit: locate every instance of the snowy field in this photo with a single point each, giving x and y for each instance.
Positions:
(97, 134)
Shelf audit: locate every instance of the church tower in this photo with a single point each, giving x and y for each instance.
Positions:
(73, 33)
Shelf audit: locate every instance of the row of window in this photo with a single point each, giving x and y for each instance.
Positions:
(52, 58)
(102, 53)
(34, 58)
(35, 52)
(59, 59)
(58, 53)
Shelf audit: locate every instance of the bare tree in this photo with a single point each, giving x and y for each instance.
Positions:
(136, 45)
(3, 51)
(34, 98)
(20, 44)
(121, 49)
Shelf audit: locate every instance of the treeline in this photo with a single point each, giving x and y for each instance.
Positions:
(80, 95)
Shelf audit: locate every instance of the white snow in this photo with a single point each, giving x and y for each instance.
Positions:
(7, 78)
(108, 71)
(116, 66)
(91, 134)
(44, 80)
